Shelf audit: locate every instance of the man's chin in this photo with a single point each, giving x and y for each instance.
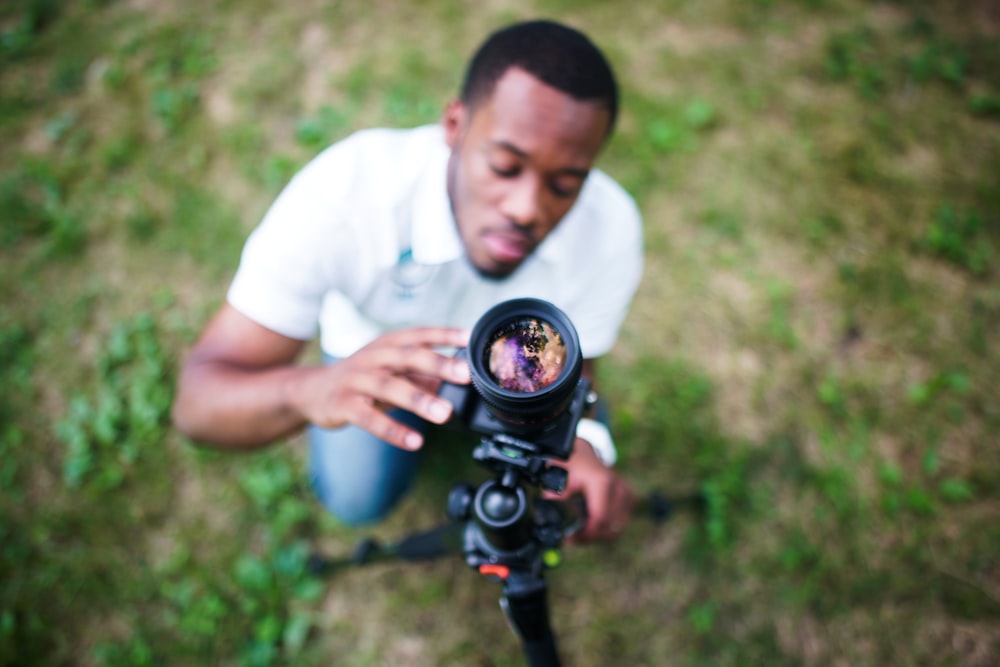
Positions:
(493, 270)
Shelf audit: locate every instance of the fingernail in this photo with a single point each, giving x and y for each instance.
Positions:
(440, 411)
(413, 441)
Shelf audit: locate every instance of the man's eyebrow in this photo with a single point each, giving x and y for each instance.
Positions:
(507, 146)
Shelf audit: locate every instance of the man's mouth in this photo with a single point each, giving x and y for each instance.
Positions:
(507, 247)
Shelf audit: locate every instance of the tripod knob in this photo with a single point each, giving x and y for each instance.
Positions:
(500, 506)
(554, 478)
(460, 502)
(503, 517)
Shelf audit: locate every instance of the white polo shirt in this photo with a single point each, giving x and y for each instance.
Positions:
(363, 241)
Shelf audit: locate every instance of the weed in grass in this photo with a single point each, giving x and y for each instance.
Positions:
(985, 319)
(16, 367)
(198, 213)
(852, 56)
(922, 394)
(780, 304)
(668, 127)
(960, 238)
(29, 199)
(702, 617)
(822, 229)
(135, 652)
(677, 129)
(267, 587)
(68, 76)
(724, 223)
(322, 129)
(104, 432)
(17, 36)
(685, 425)
(274, 489)
(173, 105)
(939, 60)
(33, 203)
(278, 170)
(985, 104)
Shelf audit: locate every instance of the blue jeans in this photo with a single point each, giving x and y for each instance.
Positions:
(357, 476)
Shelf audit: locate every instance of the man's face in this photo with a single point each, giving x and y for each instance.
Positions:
(518, 162)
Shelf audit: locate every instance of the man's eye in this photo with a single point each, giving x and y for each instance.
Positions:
(505, 171)
(565, 190)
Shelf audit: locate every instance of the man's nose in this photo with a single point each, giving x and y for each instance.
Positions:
(522, 205)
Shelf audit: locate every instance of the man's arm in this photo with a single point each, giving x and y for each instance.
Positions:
(241, 388)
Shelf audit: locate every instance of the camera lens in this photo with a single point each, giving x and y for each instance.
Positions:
(526, 362)
(526, 355)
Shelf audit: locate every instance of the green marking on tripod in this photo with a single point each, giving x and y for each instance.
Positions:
(552, 558)
(512, 452)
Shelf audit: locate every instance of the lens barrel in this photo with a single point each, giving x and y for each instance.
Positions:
(543, 362)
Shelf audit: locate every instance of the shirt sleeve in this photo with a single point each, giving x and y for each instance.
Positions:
(301, 250)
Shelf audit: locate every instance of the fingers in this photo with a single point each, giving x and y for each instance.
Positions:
(609, 508)
(610, 521)
(609, 498)
(427, 337)
(399, 369)
(387, 429)
(401, 392)
(411, 351)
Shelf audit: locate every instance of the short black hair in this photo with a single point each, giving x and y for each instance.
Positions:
(555, 54)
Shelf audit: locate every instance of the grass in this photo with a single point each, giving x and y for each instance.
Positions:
(812, 346)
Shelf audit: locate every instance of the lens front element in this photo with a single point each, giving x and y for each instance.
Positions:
(526, 355)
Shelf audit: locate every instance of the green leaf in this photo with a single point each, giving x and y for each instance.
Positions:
(955, 490)
(296, 632)
(253, 574)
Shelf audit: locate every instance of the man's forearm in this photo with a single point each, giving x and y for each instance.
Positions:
(237, 408)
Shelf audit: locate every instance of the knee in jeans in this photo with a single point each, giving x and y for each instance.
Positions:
(356, 511)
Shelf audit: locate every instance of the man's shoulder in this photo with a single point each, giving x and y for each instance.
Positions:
(381, 143)
(606, 195)
(376, 162)
(605, 212)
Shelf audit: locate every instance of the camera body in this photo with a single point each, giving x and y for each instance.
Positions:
(552, 439)
(527, 393)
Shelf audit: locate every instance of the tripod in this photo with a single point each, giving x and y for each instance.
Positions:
(511, 536)
(504, 529)
(506, 532)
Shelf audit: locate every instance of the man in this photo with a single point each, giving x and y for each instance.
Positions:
(393, 243)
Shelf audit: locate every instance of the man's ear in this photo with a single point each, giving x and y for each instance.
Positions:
(453, 120)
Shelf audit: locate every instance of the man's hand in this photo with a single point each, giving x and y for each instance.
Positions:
(241, 386)
(397, 370)
(609, 498)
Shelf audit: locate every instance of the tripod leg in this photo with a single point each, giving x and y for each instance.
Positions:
(444, 540)
(525, 603)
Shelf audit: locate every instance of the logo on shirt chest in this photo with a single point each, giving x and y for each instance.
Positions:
(408, 276)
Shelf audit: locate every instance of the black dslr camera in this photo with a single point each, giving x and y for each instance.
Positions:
(527, 392)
